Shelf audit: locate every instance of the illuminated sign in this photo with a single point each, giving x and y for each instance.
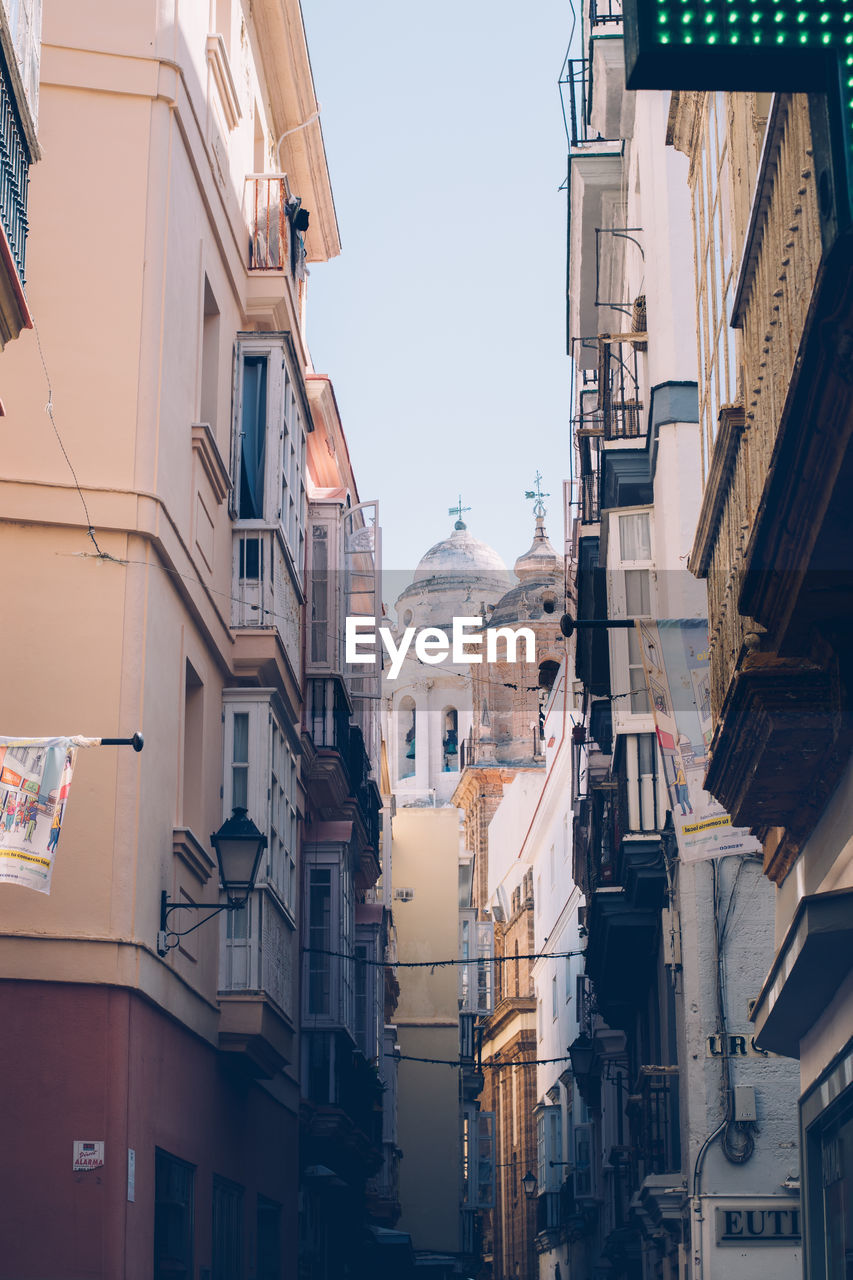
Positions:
(785, 46)
(790, 45)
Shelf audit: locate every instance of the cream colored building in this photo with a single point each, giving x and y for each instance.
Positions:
(428, 720)
(159, 586)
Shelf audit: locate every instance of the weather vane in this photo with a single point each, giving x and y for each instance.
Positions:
(457, 511)
(537, 495)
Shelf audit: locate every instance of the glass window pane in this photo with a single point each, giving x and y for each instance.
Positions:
(241, 739)
(635, 536)
(637, 596)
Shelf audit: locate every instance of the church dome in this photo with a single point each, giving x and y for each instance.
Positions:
(459, 554)
(539, 590)
(458, 576)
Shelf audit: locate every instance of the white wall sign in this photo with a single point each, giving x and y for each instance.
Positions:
(131, 1174)
(88, 1155)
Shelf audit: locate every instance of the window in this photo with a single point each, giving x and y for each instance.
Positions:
(284, 821)
(319, 941)
(477, 947)
(406, 738)
(240, 762)
(173, 1218)
(450, 740)
(554, 998)
(269, 441)
(319, 593)
(262, 777)
(549, 1149)
(268, 1265)
(227, 1236)
(478, 1158)
(329, 979)
(253, 432)
(633, 600)
(715, 275)
(362, 992)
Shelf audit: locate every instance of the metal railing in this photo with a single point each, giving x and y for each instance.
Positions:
(573, 84)
(328, 714)
(653, 1111)
(590, 497)
(604, 13)
(14, 175)
(619, 390)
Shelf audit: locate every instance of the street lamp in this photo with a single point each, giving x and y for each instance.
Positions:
(582, 1054)
(239, 845)
(528, 1183)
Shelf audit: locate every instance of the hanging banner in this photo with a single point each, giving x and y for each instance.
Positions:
(676, 663)
(35, 778)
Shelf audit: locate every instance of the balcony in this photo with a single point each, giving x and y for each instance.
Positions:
(591, 496)
(257, 987)
(266, 603)
(341, 1118)
(273, 243)
(652, 1109)
(15, 162)
(619, 388)
(605, 13)
(328, 711)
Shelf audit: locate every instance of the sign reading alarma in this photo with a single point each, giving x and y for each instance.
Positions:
(88, 1155)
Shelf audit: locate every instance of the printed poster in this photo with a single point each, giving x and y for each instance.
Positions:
(35, 779)
(677, 667)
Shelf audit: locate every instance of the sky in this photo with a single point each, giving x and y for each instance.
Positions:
(442, 323)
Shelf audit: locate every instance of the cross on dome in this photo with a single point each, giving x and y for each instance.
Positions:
(537, 495)
(457, 511)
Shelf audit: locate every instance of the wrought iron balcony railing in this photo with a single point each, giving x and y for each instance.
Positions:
(274, 243)
(619, 388)
(604, 13)
(653, 1112)
(14, 175)
(590, 497)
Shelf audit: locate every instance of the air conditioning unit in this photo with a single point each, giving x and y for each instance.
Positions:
(404, 895)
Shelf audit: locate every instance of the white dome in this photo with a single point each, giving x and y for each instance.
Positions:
(461, 553)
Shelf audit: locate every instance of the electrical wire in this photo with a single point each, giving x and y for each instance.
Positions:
(263, 611)
(468, 1062)
(440, 964)
(48, 408)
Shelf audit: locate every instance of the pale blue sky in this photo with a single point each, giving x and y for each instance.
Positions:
(442, 323)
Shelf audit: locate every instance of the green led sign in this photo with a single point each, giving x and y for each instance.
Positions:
(736, 44)
(786, 46)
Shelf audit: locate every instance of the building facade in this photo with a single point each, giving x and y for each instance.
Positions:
(447, 1167)
(772, 542)
(170, 565)
(692, 1145)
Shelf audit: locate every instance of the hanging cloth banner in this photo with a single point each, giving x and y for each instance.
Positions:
(677, 667)
(35, 779)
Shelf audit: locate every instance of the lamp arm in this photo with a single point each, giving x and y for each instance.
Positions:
(166, 909)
